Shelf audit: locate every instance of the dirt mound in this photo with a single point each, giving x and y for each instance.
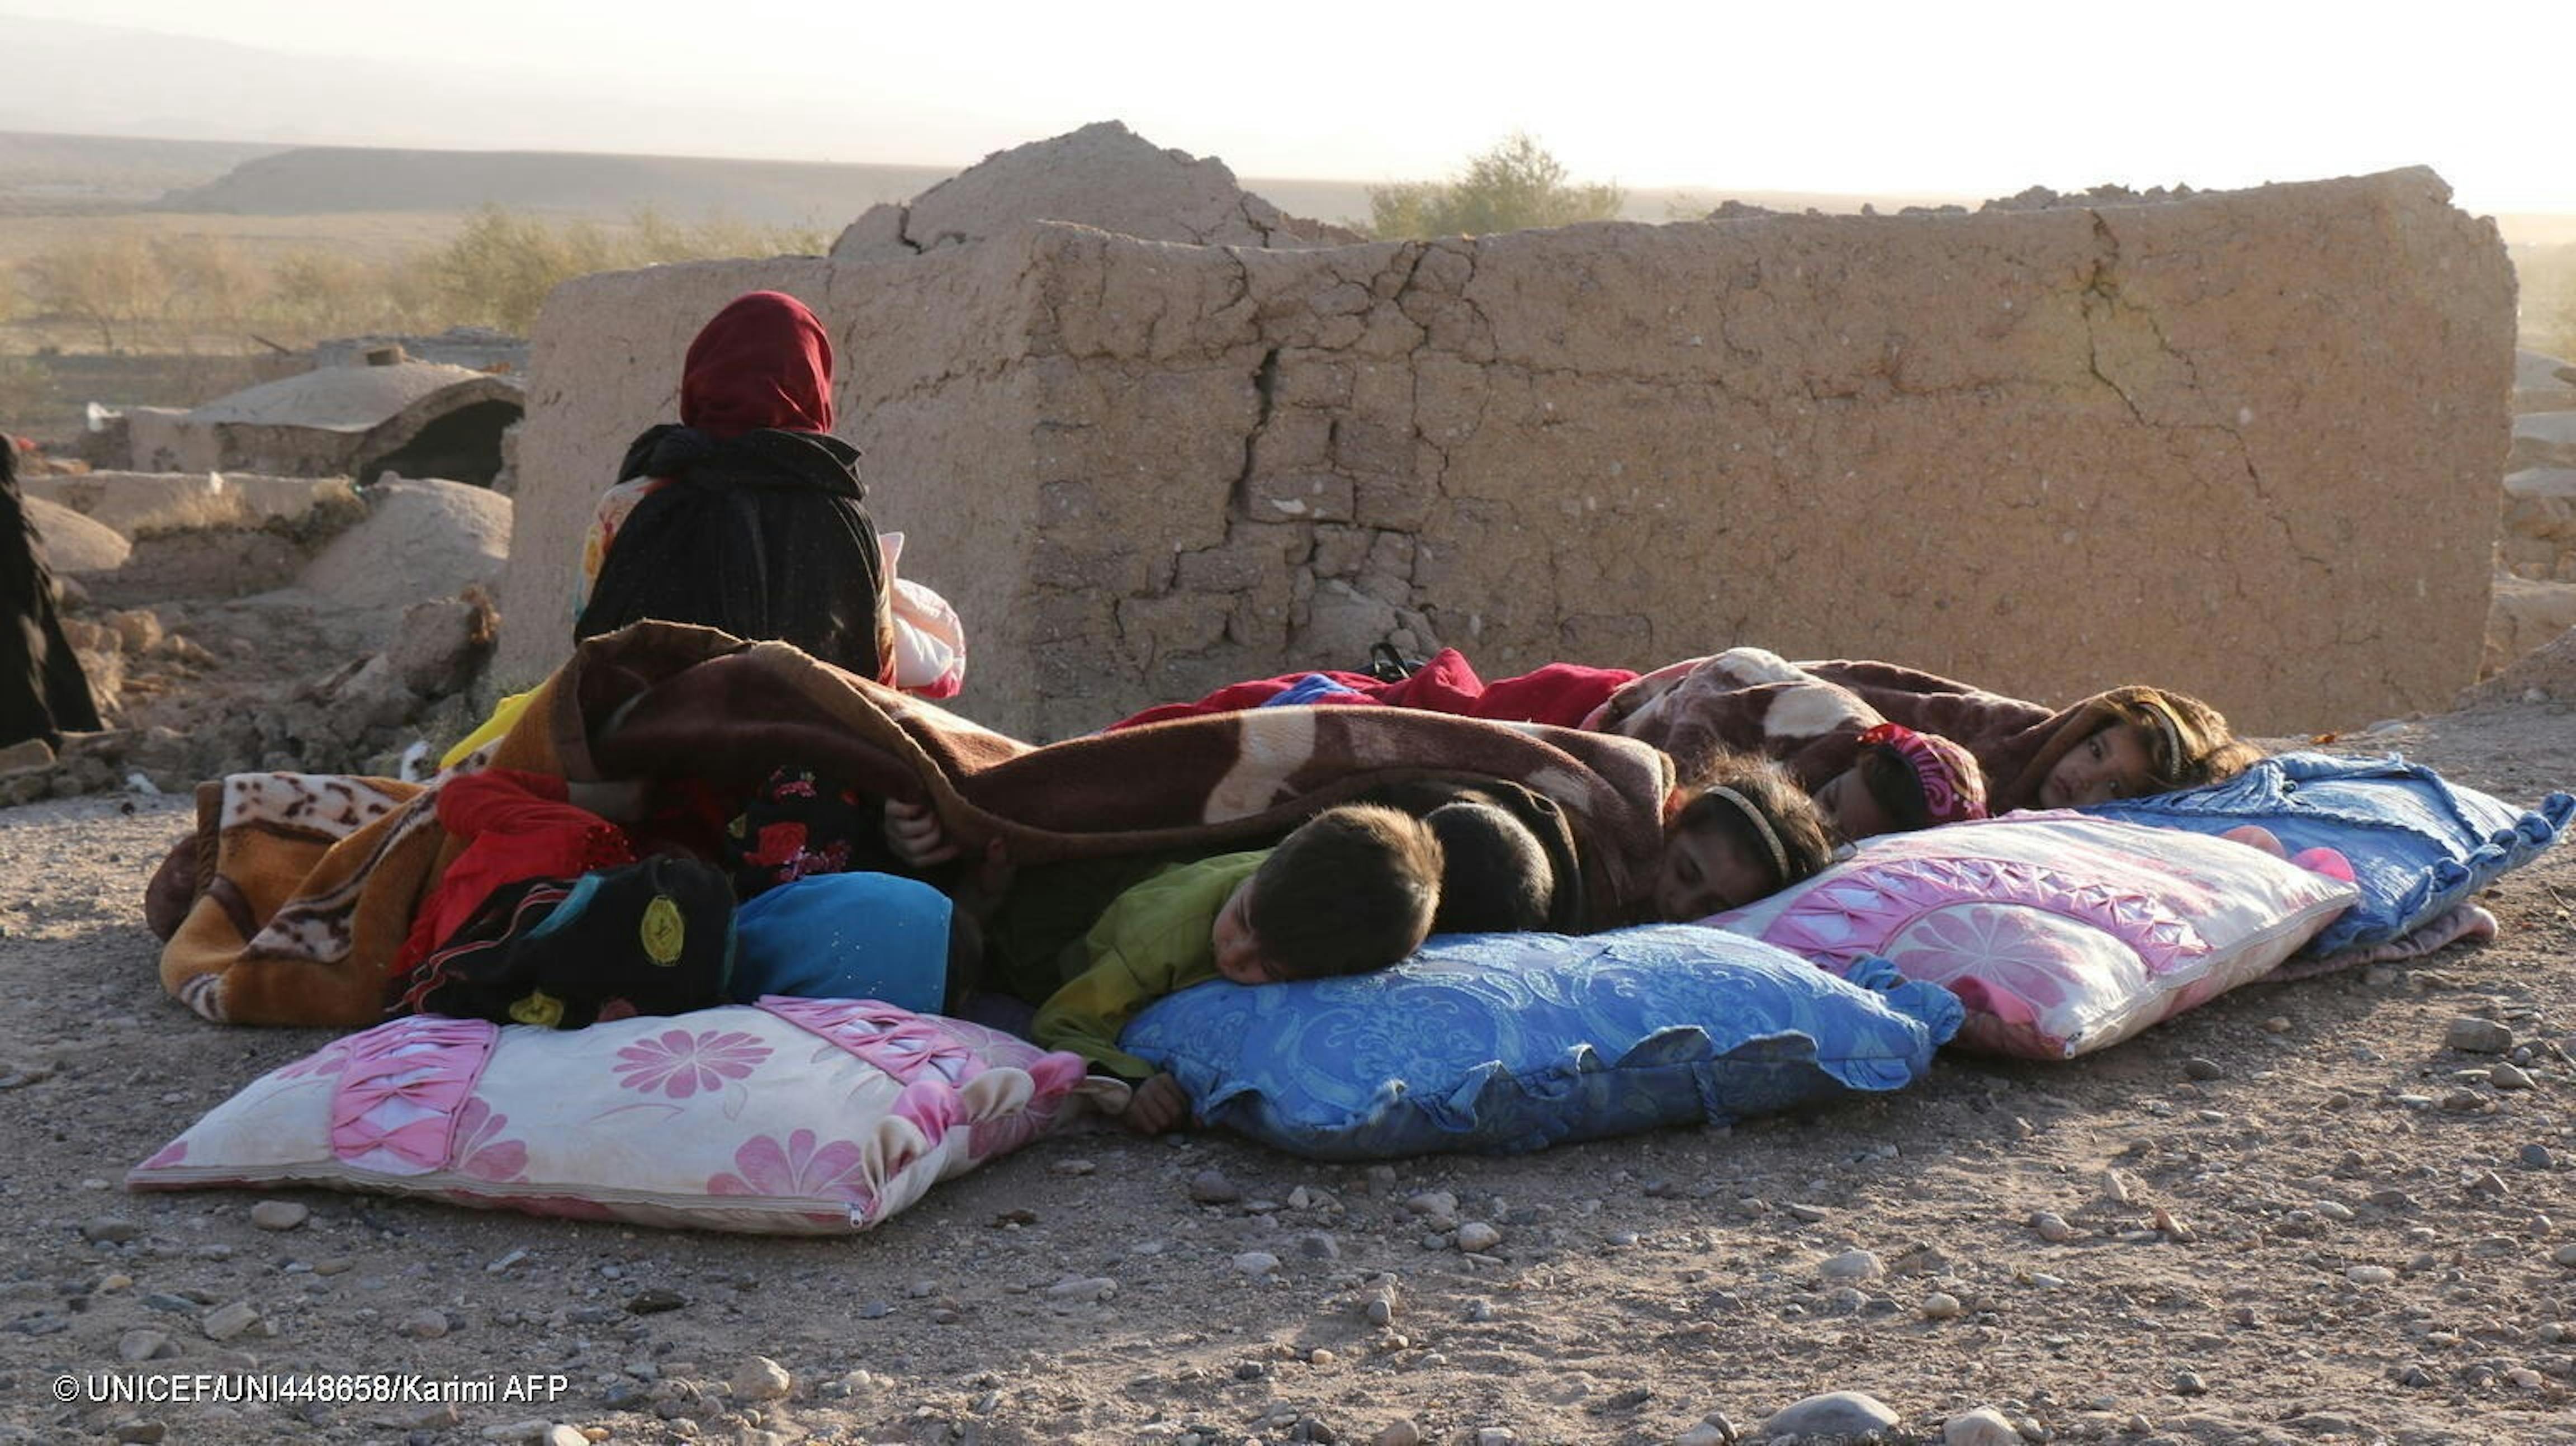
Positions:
(1102, 175)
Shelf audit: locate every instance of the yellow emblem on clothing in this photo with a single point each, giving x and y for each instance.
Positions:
(663, 931)
(538, 1008)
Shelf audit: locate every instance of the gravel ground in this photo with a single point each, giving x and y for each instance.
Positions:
(2293, 1216)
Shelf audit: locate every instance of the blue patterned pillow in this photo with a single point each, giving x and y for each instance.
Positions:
(1510, 1042)
(2419, 844)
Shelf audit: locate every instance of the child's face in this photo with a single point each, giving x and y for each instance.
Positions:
(1238, 949)
(2112, 763)
(1850, 809)
(1706, 873)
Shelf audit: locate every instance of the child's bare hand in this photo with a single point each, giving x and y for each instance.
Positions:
(1158, 1105)
(912, 830)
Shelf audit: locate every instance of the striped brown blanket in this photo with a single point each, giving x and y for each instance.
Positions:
(299, 889)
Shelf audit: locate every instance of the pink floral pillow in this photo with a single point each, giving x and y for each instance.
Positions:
(2061, 933)
(802, 1116)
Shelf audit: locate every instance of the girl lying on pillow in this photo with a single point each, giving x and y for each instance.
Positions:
(2123, 743)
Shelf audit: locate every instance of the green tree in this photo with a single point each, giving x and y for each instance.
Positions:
(1514, 186)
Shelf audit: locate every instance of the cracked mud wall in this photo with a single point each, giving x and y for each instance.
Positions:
(2240, 444)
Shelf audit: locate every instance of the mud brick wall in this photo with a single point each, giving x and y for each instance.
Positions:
(2240, 444)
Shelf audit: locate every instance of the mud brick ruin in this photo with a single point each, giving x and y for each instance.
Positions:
(2243, 444)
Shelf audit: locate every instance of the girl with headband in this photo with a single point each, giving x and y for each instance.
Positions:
(1737, 830)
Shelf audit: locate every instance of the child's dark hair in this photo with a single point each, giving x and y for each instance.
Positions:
(1895, 785)
(1496, 878)
(1353, 889)
(1755, 802)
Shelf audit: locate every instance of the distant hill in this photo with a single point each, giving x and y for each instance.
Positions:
(51, 174)
(315, 180)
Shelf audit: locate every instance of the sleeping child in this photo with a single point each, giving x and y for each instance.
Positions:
(1902, 781)
(1738, 830)
(1350, 890)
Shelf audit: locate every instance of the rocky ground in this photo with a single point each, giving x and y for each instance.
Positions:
(2297, 1215)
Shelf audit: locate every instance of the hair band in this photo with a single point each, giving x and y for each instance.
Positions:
(1761, 825)
(2171, 728)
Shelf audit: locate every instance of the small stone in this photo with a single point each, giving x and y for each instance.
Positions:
(1807, 1214)
(1941, 1305)
(1984, 1426)
(2525, 1377)
(2197, 1068)
(227, 1321)
(1852, 1265)
(142, 1433)
(1703, 1434)
(2334, 1210)
(1480, 1311)
(654, 1301)
(2462, 1102)
(2565, 1255)
(1400, 1433)
(1477, 1236)
(1497, 1436)
(2535, 1157)
(2471, 1035)
(1436, 1204)
(109, 1230)
(2415, 1377)
(1075, 1166)
(1833, 1413)
(1320, 1356)
(136, 1347)
(2508, 1077)
(1210, 1187)
(2370, 1275)
(760, 1379)
(1381, 1180)
(1083, 1288)
(2189, 1383)
(1316, 1245)
(560, 1434)
(1380, 1311)
(2052, 1227)
(278, 1214)
(2277, 1024)
(1257, 1263)
(426, 1325)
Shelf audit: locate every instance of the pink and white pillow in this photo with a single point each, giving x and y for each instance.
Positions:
(2061, 933)
(794, 1116)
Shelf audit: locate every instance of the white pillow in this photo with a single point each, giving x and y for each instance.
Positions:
(797, 1116)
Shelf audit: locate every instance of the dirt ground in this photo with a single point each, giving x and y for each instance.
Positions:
(2371, 1226)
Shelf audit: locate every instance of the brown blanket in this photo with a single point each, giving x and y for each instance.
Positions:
(1810, 716)
(304, 886)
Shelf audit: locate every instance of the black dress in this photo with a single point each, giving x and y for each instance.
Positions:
(43, 693)
(763, 535)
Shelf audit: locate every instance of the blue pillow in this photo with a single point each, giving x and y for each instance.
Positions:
(1511, 1042)
(2419, 845)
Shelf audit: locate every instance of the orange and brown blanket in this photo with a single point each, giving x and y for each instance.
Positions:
(297, 890)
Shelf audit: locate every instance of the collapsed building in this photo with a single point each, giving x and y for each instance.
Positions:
(2242, 444)
(385, 413)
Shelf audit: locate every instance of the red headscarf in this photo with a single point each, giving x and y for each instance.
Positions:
(762, 362)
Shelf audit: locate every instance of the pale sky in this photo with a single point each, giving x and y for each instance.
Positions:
(1966, 98)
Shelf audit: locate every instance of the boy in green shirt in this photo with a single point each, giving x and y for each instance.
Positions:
(1351, 890)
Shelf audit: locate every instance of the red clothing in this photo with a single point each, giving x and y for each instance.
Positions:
(763, 361)
(517, 827)
(1563, 694)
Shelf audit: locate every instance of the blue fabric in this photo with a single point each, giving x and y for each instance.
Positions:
(1511, 1042)
(1308, 689)
(2419, 845)
(844, 936)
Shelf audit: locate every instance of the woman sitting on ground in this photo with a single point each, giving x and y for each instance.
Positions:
(749, 515)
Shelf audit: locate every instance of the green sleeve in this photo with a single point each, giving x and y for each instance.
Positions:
(1155, 940)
